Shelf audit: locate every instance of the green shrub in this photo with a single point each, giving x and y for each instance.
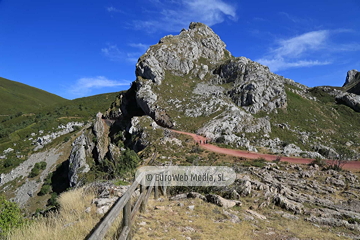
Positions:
(53, 200)
(45, 189)
(318, 161)
(259, 162)
(38, 167)
(10, 216)
(8, 163)
(42, 165)
(196, 149)
(213, 157)
(34, 172)
(48, 179)
(191, 158)
(220, 139)
(121, 183)
(124, 166)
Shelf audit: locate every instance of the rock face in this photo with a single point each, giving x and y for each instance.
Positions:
(198, 52)
(349, 99)
(255, 87)
(179, 54)
(192, 75)
(77, 160)
(101, 131)
(351, 77)
(41, 141)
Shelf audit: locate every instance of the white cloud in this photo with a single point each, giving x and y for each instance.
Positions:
(140, 46)
(295, 19)
(176, 15)
(112, 9)
(347, 47)
(291, 52)
(277, 64)
(84, 86)
(113, 53)
(296, 46)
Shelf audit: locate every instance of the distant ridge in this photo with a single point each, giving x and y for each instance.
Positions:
(18, 97)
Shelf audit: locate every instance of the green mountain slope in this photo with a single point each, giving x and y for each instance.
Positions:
(17, 97)
(16, 129)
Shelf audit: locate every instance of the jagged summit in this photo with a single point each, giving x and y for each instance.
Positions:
(352, 82)
(173, 70)
(351, 76)
(182, 53)
(190, 82)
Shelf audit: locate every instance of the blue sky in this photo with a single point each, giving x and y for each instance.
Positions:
(81, 48)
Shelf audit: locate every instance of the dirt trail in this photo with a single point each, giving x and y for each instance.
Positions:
(351, 165)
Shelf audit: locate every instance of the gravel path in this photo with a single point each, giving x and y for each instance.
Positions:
(350, 165)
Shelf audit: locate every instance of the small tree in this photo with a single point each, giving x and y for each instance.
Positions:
(338, 162)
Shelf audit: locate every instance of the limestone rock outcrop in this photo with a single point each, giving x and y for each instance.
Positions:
(101, 131)
(192, 83)
(179, 54)
(77, 159)
(255, 87)
(349, 99)
(351, 76)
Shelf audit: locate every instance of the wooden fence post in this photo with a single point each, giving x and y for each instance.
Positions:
(164, 188)
(156, 191)
(127, 216)
(142, 189)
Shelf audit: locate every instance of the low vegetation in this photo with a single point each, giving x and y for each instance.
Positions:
(16, 130)
(10, 216)
(38, 167)
(71, 222)
(324, 119)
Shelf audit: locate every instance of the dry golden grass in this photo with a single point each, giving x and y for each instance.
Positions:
(207, 221)
(72, 222)
(171, 221)
(178, 222)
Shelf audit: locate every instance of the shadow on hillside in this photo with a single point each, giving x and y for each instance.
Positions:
(59, 180)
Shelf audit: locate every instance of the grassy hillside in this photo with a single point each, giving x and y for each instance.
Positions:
(15, 130)
(17, 97)
(323, 121)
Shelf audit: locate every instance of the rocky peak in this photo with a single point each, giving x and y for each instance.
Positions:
(171, 72)
(352, 82)
(351, 76)
(192, 83)
(180, 54)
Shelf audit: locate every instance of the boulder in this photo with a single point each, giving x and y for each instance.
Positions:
(287, 204)
(222, 202)
(349, 99)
